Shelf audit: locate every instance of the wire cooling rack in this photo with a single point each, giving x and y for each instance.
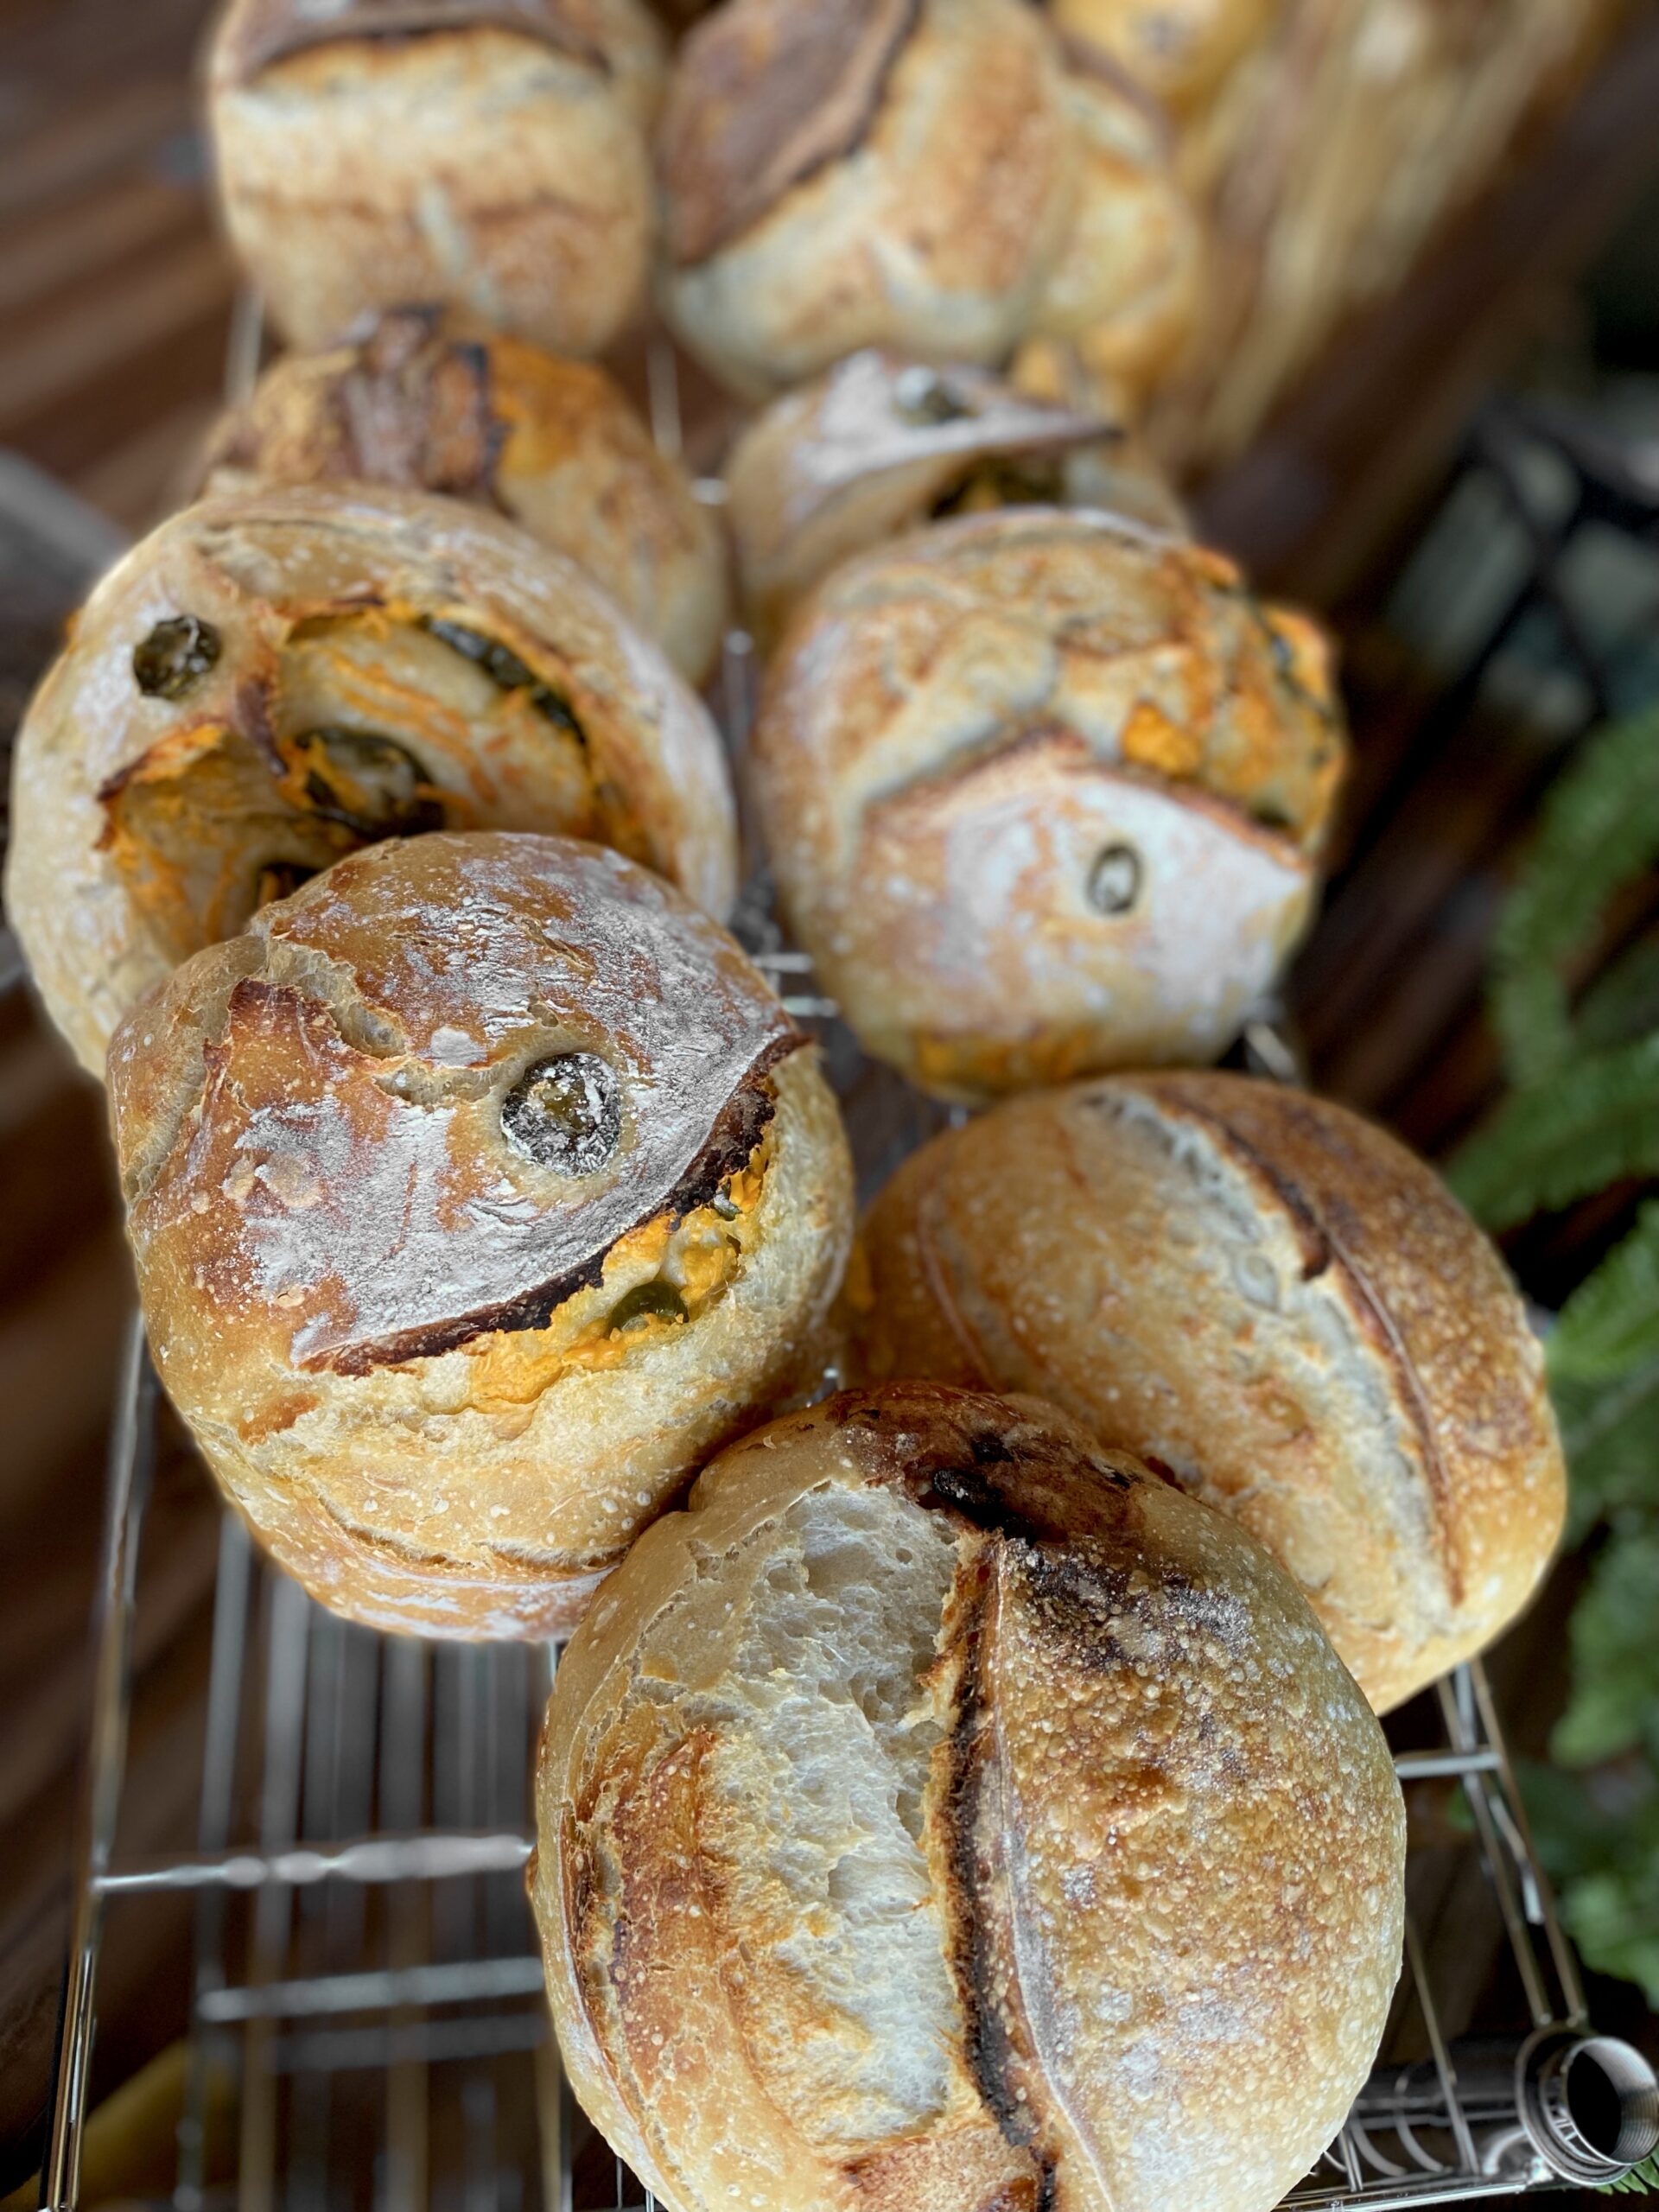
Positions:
(367, 2026)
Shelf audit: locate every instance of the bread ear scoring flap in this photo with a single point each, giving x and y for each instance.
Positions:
(768, 92)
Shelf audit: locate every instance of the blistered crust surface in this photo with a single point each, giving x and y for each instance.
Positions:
(1162, 1828)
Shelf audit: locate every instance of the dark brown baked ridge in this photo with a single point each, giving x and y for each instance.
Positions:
(767, 93)
(272, 30)
(415, 408)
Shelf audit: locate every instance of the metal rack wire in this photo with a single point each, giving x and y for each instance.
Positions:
(366, 1995)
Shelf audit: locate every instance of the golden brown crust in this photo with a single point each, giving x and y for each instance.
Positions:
(766, 93)
(445, 1376)
(922, 208)
(1162, 1838)
(1272, 1298)
(1178, 53)
(994, 761)
(493, 157)
(328, 621)
(433, 401)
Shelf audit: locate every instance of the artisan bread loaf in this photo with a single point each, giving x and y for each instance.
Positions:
(276, 677)
(478, 1192)
(862, 173)
(1043, 793)
(433, 402)
(1271, 1299)
(944, 1815)
(489, 154)
(881, 445)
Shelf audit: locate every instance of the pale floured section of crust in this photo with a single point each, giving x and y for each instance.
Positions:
(1273, 1300)
(259, 568)
(1085, 1664)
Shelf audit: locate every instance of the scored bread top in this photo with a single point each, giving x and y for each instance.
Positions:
(311, 1120)
(1273, 1298)
(256, 33)
(765, 93)
(945, 1812)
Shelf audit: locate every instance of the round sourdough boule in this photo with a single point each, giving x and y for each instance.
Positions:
(1271, 1298)
(434, 402)
(491, 153)
(1043, 793)
(478, 1192)
(944, 1815)
(880, 445)
(276, 677)
(861, 173)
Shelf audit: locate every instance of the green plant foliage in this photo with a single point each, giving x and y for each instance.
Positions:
(1614, 1707)
(1584, 1113)
(1603, 1376)
(1599, 829)
(1624, 1002)
(1641, 2181)
(1594, 1123)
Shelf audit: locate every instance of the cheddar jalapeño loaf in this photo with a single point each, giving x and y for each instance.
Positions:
(1273, 1299)
(478, 1192)
(490, 154)
(435, 403)
(275, 679)
(944, 1815)
(1044, 793)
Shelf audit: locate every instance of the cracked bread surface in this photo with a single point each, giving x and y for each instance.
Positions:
(382, 662)
(1271, 1298)
(924, 1677)
(445, 1378)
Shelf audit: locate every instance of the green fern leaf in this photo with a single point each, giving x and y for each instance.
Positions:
(1598, 829)
(1610, 1326)
(1641, 2181)
(1613, 1706)
(1624, 1001)
(1609, 1431)
(1593, 1123)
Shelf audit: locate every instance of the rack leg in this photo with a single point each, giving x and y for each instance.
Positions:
(132, 1442)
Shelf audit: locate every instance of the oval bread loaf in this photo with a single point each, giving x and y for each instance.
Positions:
(478, 1192)
(944, 1815)
(1271, 1299)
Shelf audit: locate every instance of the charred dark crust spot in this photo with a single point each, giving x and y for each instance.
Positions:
(275, 29)
(417, 408)
(738, 1128)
